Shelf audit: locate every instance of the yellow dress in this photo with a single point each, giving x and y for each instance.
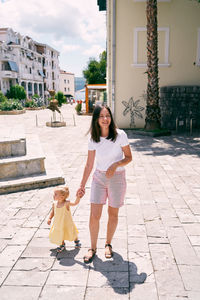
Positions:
(63, 227)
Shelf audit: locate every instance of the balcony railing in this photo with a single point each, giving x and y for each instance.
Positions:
(8, 74)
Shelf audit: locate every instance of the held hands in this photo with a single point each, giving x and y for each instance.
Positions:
(80, 192)
(49, 222)
(111, 170)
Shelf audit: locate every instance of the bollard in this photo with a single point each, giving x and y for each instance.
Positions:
(176, 124)
(191, 126)
(74, 120)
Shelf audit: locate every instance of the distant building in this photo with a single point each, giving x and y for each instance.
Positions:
(67, 84)
(28, 63)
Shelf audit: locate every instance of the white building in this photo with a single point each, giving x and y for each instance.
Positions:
(67, 84)
(25, 62)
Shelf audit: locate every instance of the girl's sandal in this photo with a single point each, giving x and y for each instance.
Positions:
(108, 252)
(88, 258)
(77, 244)
(60, 248)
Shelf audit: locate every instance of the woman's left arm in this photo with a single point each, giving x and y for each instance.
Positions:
(127, 159)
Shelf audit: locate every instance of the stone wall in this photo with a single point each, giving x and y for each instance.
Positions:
(180, 104)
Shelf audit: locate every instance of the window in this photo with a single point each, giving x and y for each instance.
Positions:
(198, 48)
(139, 47)
(65, 89)
(64, 80)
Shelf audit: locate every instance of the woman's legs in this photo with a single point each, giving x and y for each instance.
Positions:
(111, 227)
(95, 215)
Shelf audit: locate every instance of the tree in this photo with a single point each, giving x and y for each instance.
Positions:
(60, 97)
(96, 70)
(152, 120)
(153, 116)
(16, 92)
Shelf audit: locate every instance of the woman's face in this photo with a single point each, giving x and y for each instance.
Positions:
(104, 118)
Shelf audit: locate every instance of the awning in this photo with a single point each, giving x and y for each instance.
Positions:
(41, 73)
(13, 66)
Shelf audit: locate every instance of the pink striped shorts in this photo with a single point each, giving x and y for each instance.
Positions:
(113, 188)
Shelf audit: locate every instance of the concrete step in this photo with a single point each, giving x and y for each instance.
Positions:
(12, 142)
(53, 176)
(29, 164)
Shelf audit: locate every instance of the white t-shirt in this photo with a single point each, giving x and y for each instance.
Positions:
(109, 152)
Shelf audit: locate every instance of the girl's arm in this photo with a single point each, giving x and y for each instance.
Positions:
(86, 173)
(127, 159)
(76, 201)
(51, 215)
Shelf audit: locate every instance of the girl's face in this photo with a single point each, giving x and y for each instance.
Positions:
(58, 196)
(104, 118)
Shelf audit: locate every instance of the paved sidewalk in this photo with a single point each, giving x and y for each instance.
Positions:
(158, 236)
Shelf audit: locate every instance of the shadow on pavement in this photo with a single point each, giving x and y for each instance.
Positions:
(174, 145)
(121, 274)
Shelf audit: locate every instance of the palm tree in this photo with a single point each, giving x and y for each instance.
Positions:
(152, 120)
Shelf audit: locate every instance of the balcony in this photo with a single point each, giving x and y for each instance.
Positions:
(6, 56)
(8, 74)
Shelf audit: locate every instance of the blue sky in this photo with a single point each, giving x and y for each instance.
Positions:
(73, 27)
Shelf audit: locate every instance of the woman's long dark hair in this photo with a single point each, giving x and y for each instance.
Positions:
(95, 129)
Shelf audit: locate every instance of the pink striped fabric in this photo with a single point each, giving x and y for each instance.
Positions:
(113, 188)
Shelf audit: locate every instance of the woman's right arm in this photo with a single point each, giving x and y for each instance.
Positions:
(87, 171)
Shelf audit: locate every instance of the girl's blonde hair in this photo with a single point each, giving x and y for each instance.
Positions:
(64, 190)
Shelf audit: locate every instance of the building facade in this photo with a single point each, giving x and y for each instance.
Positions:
(27, 63)
(178, 50)
(67, 84)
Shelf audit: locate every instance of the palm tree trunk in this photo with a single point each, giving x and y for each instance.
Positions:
(152, 120)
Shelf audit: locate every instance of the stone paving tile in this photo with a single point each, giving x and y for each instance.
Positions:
(156, 245)
(16, 292)
(185, 254)
(3, 273)
(191, 277)
(144, 291)
(193, 295)
(62, 292)
(107, 293)
(10, 255)
(30, 264)
(107, 279)
(26, 278)
(68, 278)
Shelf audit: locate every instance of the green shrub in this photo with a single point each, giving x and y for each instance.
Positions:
(60, 97)
(30, 103)
(8, 105)
(2, 97)
(36, 96)
(16, 92)
(78, 107)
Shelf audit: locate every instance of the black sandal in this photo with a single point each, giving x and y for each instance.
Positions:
(77, 244)
(87, 259)
(60, 248)
(109, 255)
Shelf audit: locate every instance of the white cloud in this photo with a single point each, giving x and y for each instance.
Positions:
(69, 48)
(73, 27)
(60, 18)
(93, 51)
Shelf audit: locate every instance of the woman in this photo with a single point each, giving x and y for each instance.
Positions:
(111, 148)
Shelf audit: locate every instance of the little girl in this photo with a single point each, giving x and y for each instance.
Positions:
(63, 227)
